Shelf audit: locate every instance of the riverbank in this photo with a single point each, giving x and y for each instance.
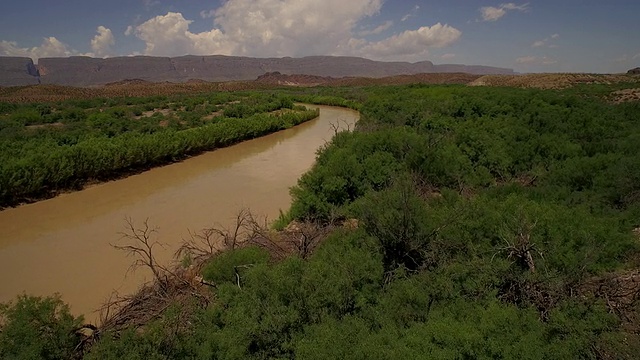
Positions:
(39, 164)
(69, 236)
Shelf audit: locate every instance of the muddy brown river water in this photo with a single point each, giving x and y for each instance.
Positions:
(62, 245)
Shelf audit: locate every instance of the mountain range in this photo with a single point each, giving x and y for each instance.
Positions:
(86, 71)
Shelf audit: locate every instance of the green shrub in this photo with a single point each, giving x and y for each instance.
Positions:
(227, 266)
(37, 328)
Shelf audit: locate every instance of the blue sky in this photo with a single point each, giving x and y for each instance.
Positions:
(534, 36)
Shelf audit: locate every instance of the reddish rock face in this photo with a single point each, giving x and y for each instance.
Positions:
(86, 71)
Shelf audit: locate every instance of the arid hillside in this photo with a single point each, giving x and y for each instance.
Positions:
(141, 88)
(135, 87)
(551, 81)
(128, 88)
(626, 95)
(276, 78)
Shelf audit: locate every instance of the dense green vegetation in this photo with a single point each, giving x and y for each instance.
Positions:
(490, 222)
(45, 148)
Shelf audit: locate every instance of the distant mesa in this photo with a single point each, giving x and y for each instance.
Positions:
(87, 71)
(635, 71)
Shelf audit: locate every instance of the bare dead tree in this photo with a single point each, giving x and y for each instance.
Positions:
(306, 236)
(520, 248)
(183, 286)
(140, 245)
(340, 126)
(298, 238)
(201, 246)
(256, 228)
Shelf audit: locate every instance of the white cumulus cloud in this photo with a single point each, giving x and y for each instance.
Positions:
(410, 42)
(50, 47)
(101, 43)
(492, 13)
(169, 35)
(265, 28)
(291, 27)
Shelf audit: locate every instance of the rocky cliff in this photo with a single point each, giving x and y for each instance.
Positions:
(86, 71)
(18, 71)
(635, 71)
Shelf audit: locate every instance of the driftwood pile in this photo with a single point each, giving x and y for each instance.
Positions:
(181, 286)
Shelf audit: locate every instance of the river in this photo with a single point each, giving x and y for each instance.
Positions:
(63, 245)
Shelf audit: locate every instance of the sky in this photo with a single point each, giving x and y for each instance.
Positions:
(596, 36)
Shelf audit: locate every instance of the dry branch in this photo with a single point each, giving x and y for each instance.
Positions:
(520, 248)
(184, 286)
(141, 247)
(201, 246)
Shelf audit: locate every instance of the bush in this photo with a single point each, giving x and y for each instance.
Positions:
(227, 266)
(37, 328)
